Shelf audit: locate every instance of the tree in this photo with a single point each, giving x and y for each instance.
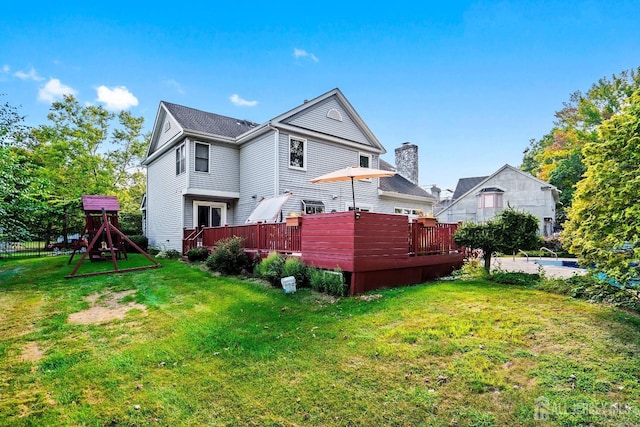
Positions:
(82, 151)
(20, 189)
(557, 157)
(519, 230)
(131, 145)
(603, 226)
(12, 127)
(508, 232)
(485, 237)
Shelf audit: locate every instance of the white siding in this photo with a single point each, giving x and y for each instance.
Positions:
(324, 157)
(257, 163)
(223, 175)
(164, 203)
(388, 205)
(167, 134)
(317, 120)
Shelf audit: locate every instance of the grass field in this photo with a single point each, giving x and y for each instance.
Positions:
(195, 349)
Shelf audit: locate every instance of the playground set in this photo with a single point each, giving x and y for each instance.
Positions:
(106, 241)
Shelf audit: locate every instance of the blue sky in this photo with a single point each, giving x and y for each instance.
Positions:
(469, 82)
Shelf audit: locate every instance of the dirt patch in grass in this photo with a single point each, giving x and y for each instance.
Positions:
(105, 308)
(31, 352)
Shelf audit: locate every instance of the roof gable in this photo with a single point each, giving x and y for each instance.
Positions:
(482, 181)
(332, 115)
(174, 120)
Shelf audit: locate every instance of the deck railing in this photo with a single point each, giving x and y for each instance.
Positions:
(432, 240)
(257, 237)
(261, 238)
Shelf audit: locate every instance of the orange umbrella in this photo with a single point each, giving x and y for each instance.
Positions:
(352, 173)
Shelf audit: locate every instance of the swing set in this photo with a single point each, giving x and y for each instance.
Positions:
(101, 225)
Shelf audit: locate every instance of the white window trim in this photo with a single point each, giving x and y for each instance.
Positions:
(304, 154)
(222, 206)
(365, 155)
(195, 157)
(184, 157)
(370, 164)
(410, 212)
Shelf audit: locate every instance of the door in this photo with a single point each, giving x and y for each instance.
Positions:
(209, 214)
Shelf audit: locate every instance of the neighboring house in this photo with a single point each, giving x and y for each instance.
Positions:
(479, 199)
(211, 170)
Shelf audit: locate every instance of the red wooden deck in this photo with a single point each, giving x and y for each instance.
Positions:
(373, 250)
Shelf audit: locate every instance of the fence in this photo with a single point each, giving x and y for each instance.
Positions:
(23, 249)
(37, 247)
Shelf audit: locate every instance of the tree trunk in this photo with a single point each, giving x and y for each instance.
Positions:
(487, 262)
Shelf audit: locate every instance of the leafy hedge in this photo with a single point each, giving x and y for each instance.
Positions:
(228, 257)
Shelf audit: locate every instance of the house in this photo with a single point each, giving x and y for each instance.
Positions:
(479, 199)
(204, 169)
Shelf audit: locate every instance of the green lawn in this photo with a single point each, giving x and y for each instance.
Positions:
(221, 351)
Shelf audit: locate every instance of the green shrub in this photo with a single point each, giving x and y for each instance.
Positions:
(200, 253)
(590, 288)
(138, 239)
(330, 282)
(168, 254)
(228, 256)
(153, 251)
(130, 223)
(334, 282)
(296, 268)
(316, 279)
(471, 269)
(271, 268)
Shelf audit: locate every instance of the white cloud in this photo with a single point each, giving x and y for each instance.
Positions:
(301, 53)
(116, 98)
(175, 85)
(54, 90)
(236, 100)
(29, 75)
(6, 69)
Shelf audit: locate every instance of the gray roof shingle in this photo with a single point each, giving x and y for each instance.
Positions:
(466, 184)
(400, 184)
(209, 123)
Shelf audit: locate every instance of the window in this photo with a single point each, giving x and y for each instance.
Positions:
(312, 207)
(489, 201)
(297, 153)
(209, 214)
(181, 161)
(202, 157)
(361, 208)
(407, 211)
(490, 198)
(365, 160)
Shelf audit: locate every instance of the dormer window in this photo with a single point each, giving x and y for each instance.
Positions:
(490, 198)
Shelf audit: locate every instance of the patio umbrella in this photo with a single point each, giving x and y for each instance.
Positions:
(352, 173)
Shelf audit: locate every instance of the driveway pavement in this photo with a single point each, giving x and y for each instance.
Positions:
(529, 265)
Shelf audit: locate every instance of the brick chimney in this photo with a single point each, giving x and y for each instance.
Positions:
(407, 161)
